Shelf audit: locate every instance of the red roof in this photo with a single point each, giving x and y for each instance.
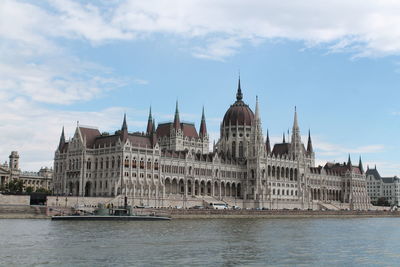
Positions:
(189, 130)
(90, 135)
(239, 113)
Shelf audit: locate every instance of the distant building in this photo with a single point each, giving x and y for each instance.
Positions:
(41, 179)
(172, 162)
(383, 187)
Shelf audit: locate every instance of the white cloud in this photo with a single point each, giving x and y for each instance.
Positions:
(217, 49)
(366, 27)
(34, 131)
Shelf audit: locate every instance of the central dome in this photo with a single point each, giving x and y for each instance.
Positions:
(239, 113)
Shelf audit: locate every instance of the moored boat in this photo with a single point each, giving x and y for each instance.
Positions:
(110, 213)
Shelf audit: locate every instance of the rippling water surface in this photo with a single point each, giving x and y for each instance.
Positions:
(212, 242)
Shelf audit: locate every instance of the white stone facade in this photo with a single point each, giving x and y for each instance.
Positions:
(41, 179)
(172, 164)
(383, 187)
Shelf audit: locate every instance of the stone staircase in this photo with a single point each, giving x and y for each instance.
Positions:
(327, 206)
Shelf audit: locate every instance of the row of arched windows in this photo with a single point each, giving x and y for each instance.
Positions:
(283, 192)
(282, 172)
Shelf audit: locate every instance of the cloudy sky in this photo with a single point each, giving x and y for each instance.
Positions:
(63, 61)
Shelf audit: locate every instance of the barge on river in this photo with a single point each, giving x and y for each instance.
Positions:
(125, 213)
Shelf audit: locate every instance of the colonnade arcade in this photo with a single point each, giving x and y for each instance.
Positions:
(324, 194)
(175, 186)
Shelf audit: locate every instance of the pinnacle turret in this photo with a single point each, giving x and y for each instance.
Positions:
(268, 144)
(62, 139)
(239, 95)
(153, 128)
(149, 123)
(360, 166)
(310, 149)
(177, 122)
(124, 125)
(349, 164)
(203, 126)
(257, 112)
(295, 122)
(124, 129)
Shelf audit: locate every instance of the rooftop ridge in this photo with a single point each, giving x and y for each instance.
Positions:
(88, 127)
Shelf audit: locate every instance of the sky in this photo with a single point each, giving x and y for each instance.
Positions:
(64, 62)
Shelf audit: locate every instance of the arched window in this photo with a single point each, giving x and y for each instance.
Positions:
(234, 149)
(156, 165)
(241, 152)
(126, 162)
(141, 163)
(134, 163)
(148, 165)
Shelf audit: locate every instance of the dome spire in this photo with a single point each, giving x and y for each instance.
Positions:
(239, 95)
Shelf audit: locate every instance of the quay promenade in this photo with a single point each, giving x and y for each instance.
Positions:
(43, 212)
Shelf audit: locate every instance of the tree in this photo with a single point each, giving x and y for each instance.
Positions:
(29, 189)
(14, 186)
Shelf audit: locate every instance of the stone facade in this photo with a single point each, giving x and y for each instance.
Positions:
(172, 165)
(383, 187)
(41, 179)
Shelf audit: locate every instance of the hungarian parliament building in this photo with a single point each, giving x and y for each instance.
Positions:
(172, 165)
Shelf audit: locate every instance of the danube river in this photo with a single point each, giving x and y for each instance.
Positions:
(202, 242)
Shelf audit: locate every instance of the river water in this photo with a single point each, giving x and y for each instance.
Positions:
(202, 242)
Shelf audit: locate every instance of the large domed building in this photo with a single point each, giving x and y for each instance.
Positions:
(236, 127)
(171, 165)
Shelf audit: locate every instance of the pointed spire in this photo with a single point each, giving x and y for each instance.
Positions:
(295, 122)
(124, 125)
(349, 161)
(284, 139)
(239, 95)
(267, 144)
(375, 166)
(360, 166)
(177, 123)
(257, 112)
(203, 126)
(153, 133)
(309, 144)
(153, 130)
(124, 129)
(62, 139)
(149, 123)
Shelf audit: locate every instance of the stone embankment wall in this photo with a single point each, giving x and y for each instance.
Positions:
(204, 214)
(23, 212)
(14, 200)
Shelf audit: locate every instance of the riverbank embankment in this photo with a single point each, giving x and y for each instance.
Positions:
(43, 212)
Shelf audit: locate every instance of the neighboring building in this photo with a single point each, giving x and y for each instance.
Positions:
(41, 179)
(173, 162)
(383, 187)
